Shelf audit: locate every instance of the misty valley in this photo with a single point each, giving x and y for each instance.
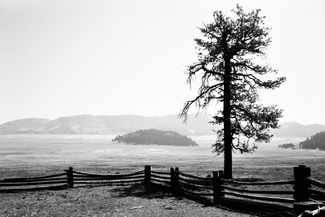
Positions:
(30, 154)
(38, 155)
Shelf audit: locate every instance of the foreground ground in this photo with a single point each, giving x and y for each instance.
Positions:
(40, 155)
(106, 201)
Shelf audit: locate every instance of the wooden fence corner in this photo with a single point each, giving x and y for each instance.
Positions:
(301, 173)
(147, 175)
(70, 177)
(216, 184)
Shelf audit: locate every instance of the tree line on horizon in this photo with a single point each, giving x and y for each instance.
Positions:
(316, 141)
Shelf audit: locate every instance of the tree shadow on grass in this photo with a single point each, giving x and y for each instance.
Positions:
(157, 191)
(139, 190)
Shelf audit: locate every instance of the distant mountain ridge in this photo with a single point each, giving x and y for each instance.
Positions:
(294, 129)
(90, 124)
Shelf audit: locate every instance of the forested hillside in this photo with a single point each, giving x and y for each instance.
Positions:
(316, 141)
(153, 136)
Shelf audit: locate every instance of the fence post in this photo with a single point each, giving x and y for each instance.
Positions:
(301, 183)
(221, 175)
(70, 177)
(174, 176)
(147, 174)
(216, 184)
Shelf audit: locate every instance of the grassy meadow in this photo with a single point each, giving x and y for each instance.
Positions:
(40, 155)
(34, 155)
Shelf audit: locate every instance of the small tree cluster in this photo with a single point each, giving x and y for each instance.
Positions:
(153, 136)
(287, 145)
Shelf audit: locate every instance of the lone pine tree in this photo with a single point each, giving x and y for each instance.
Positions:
(230, 66)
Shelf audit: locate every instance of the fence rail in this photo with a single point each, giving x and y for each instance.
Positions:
(51, 182)
(195, 177)
(316, 183)
(68, 179)
(217, 188)
(257, 191)
(254, 197)
(160, 173)
(258, 183)
(319, 192)
(214, 188)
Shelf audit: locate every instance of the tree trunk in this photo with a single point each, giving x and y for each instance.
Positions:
(227, 123)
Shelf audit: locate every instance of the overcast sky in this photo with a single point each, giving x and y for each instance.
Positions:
(70, 57)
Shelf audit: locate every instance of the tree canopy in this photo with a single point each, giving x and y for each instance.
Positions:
(230, 65)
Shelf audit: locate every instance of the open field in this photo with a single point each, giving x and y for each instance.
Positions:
(39, 155)
(30, 155)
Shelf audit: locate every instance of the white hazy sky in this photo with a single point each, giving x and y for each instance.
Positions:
(105, 57)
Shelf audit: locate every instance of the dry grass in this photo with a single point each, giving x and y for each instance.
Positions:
(106, 201)
(29, 156)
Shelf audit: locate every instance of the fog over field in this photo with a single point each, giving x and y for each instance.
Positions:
(34, 152)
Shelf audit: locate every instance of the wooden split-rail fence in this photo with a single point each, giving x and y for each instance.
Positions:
(68, 179)
(305, 193)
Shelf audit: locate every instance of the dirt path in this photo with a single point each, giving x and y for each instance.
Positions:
(104, 201)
